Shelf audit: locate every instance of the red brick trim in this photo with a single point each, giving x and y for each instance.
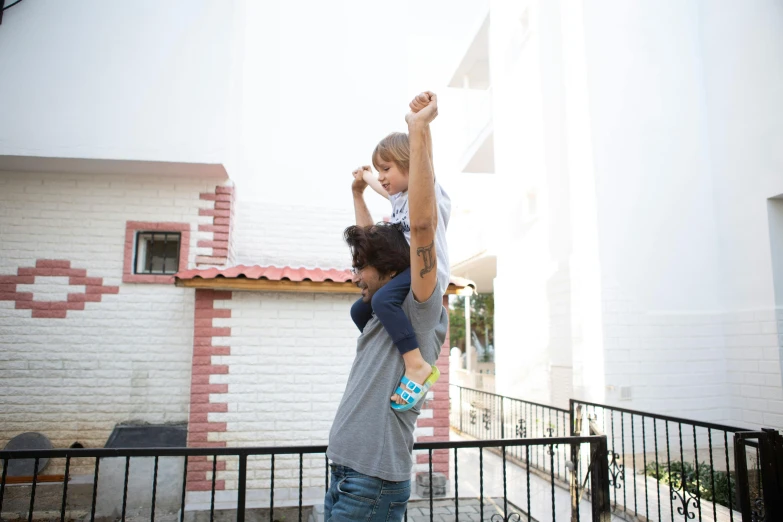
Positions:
(199, 425)
(131, 227)
(93, 291)
(222, 213)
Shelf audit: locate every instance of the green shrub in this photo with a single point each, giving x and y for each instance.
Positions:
(679, 475)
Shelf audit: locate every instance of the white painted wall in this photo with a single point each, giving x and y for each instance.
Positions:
(649, 123)
(525, 263)
(743, 80)
(145, 80)
(546, 273)
(655, 208)
(268, 233)
(648, 263)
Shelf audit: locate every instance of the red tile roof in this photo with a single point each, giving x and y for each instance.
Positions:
(275, 273)
(271, 273)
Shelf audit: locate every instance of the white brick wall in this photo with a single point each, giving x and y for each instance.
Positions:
(125, 358)
(284, 235)
(721, 367)
(753, 352)
(290, 359)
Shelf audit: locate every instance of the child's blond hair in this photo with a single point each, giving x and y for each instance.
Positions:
(394, 147)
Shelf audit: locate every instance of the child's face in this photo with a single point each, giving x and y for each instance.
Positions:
(393, 179)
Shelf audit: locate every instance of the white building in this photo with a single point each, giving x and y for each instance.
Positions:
(637, 145)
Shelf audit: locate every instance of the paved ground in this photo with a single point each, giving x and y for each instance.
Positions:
(469, 511)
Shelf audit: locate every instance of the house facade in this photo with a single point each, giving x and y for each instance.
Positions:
(135, 287)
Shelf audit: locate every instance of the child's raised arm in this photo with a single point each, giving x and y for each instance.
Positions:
(373, 182)
(363, 216)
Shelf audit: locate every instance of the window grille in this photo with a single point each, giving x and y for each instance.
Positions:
(157, 253)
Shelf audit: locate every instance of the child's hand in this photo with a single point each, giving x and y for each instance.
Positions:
(367, 174)
(420, 101)
(424, 109)
(359, 184)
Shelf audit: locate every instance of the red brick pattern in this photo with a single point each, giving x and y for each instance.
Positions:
(440, 411)
(131, 227)
(199, 426)
(222, 215)
(93, 292)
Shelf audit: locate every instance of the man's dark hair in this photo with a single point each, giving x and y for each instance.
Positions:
(382, 246)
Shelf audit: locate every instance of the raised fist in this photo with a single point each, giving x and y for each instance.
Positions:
(359, 184)
(424, 109)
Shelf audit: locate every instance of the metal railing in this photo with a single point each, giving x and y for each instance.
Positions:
(761, 497)
(664, 467)
(287, 462)
(484, 415)
(660, 467)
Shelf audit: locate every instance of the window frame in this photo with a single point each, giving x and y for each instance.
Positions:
(133, 229)
(139, 236)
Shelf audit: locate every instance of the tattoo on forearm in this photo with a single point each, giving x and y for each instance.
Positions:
(427, 254)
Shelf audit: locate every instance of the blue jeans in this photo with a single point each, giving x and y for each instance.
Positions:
(386, 303)
(355, 497)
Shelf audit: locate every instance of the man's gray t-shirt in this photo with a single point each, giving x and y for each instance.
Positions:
(367, 434)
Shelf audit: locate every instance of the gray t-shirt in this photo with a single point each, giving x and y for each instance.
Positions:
(367, 434)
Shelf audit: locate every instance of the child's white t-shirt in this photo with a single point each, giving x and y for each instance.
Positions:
(400, 215)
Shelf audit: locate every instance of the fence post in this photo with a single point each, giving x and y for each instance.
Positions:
(571, 415)
(241, 487)
(502, 420)
(741, 470)
(576, 426)
(599, 480)
(574, 482)
(770, 446)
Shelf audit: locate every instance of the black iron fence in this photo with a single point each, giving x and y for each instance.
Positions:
(484, 415)
(298, 466)
(760, 497)
(660, 467)
(664, 467)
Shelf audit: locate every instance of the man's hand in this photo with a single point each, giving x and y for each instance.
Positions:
(359, 184)
(424, 109)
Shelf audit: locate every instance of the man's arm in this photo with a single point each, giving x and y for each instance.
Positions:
(363, 216)
(422, 206)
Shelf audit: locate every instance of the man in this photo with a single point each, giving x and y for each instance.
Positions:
(371, 444)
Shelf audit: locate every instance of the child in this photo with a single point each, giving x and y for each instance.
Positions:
(391, 159)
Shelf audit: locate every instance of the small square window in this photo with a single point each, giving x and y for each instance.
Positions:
(157, 253)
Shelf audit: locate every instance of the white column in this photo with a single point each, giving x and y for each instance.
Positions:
(468, 347)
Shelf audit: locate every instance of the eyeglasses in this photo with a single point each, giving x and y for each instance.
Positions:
(356, 269)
